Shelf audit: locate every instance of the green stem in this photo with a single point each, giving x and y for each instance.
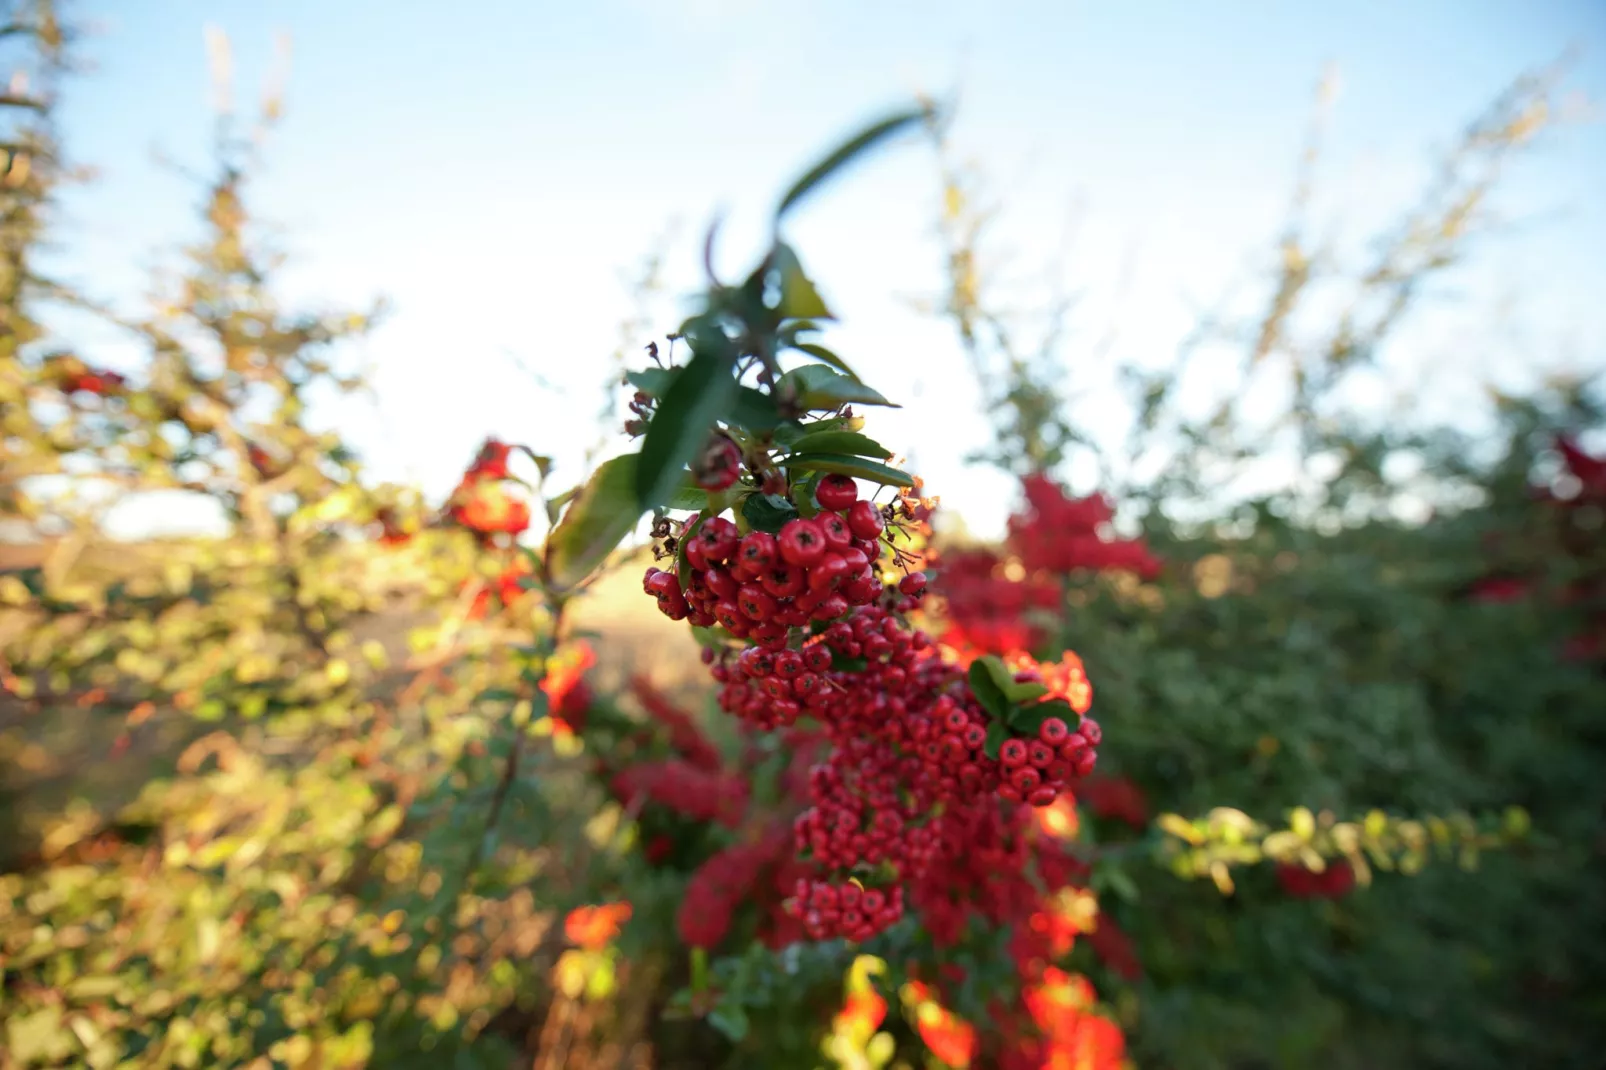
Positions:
(699, 971)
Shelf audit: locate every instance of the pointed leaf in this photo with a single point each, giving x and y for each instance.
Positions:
(682, 566)
(603, 512)
(701, 393)
(848, 442)
(821, 353)
(1018, 694)
(857, 467)
(996, 736)
(1028, 719)
(845, 153)
(767, 513)
(652, 381)
(818, 387)
(799, 298)
(986, 691)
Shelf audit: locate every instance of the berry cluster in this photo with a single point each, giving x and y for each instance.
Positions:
(761, 587)
(1060, 534)
(913, 793)
(481, 502)
(685, 789)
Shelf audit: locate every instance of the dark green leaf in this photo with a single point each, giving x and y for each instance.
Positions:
(788, 431)
(986, 691)
(767, 513)
(819, 388)
(858, 467)
(603, 512)
(855, 146)
(799, 298)
(850, 664)
(822, 353)
(1028, 719)
(848, 442)
(682, 566)
(996, 735)
(755, 411)
(701, 393)
(498, 694)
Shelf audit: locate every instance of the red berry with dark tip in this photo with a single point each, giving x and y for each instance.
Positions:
(802, 542)
(757, 550)
(836, 492)
(913, 585)
(865, 520)
(1012, 755)
(717, 538)
(1053, 732)
(838, 536)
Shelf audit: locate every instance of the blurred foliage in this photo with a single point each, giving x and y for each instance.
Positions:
(1309, 649)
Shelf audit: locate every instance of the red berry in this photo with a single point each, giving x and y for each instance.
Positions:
(660, 583)
(717, 539)
(783, 580)
(788, 663)
(802, 542)
(1042, 796)
(1013, 754)
(817, 658)
(913, 585)
(1053, 731)
(757, 550)
(1091, 731)
(836, 492)
(1025, 780)
(838, 535)
(1040, 754)
(829, 573)
(755, 603)
(865, 520)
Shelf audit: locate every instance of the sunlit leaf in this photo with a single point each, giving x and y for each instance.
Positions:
(849, 150)
(857, 467)
(603, 512)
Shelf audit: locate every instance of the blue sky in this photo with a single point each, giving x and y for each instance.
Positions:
(494, 169)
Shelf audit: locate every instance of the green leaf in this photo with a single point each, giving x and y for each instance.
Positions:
(789, 331)
(799, 298)
(845, 153)
(1028, 719)
(819, 388)
(554, 506)
(821, 353)
(986, 690)
(766, 512)
(858, 467)
(997, 734)
(701, 393)
(602, 513)
(652, 381)
(755, 411)
(848, 442)
(729, 1018)
(682, 566)
(1027, 692)
(687, 496)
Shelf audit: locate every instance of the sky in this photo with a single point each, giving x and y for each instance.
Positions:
(498, 170)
